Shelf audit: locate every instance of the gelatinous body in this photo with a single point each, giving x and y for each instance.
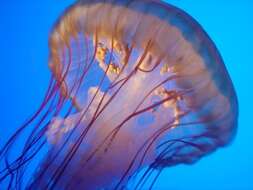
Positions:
(136, 85)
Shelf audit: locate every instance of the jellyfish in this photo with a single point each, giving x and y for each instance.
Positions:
(137, 86)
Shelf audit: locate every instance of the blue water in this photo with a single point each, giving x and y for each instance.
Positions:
(24, 76)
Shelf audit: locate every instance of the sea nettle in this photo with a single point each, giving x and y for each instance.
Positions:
(137, 85)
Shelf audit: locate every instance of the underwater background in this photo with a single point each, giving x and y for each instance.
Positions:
(24, 76)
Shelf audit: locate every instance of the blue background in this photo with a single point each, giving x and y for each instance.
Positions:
(24, 76)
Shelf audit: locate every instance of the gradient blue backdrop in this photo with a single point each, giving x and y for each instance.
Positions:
(24, 75)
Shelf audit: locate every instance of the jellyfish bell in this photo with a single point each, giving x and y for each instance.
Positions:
(136, 85)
